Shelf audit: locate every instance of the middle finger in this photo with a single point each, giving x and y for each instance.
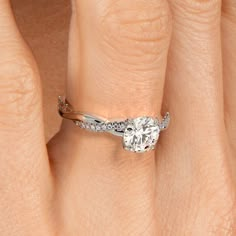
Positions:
(195, 152)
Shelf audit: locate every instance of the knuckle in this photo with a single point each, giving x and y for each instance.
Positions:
(202, 11)
(201, 5)
(19, 90)
(226, 223)
(131, 31)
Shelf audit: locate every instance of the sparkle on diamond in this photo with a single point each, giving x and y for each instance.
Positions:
(141, 134)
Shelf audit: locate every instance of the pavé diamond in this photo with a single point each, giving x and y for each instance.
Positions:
(82, 125)
(87, 125)
(77, 123)
(141, 134)
(109, 126)
(98, 127)
(104, 127)
(122, 125)
(92, 127)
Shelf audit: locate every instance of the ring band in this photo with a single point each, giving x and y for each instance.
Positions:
(139, 134)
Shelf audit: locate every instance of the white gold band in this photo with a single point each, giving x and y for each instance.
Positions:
(139, 134)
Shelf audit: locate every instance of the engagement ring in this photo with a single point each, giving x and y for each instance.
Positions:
(139, 134)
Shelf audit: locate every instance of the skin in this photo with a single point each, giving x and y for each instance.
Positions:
(126, 59)
(51, 32)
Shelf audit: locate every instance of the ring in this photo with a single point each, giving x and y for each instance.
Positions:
(139, 134)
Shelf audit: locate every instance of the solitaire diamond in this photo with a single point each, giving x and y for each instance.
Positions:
(141, 134)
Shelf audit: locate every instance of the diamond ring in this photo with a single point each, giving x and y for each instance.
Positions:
(139, 134)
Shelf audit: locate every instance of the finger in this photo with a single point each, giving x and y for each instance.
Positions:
(195, 71)
(122, 61)
(23, 162)
(116, 70)
(229, 60)
(195, 151)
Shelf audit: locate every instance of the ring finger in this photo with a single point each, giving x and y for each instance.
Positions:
(117, 63)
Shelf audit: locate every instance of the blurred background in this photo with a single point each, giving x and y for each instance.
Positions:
(44, 25)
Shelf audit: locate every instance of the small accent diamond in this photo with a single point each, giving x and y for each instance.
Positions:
(122, 125)
(87, 125)
(104, 127)
(92, 127)
(115, 125)
(98, 127)
(77, 123)
(165, 122)
(109, 126)
(81, 125)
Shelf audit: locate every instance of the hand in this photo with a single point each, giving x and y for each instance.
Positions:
(126, 59)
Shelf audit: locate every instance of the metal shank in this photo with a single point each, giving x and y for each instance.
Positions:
(99, 124)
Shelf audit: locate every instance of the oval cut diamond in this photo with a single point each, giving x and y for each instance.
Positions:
(141, 134)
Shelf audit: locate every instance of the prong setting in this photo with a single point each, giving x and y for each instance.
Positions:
(141, 134)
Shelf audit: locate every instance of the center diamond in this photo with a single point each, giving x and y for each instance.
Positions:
(141, 134)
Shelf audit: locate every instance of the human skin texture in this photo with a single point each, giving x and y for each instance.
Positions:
(44, 25)
(126, 59)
